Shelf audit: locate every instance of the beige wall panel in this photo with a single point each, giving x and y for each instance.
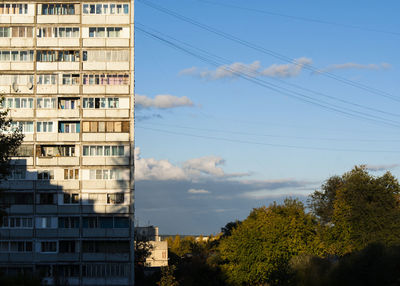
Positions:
(93, 184)
(94, 113)
(68, 113)
(122, 113)
(5, 66)
(22, 66)
(68, 66)
(94, 161)
(46, 89)
(117, 89)
(22, 42)
(53, 19)
(72, 137)
(43, 66)
(94, 66)
(117, 19)
(5, 42)
(46, 137)
(94, 89)
(113, 161)
(46, 161)
(16, 19)
(68, 184)
(117, 42)
(68, 42)
(28, 137)
(5, 19)
(22, 113)
(71, 89)
(68, 161)
(93, 19)
(93, 137)
(117, 66)
(47, 42)
(46, 113)
(94, 42)
(117, 136)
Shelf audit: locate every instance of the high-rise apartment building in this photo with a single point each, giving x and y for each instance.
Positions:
(67, 77)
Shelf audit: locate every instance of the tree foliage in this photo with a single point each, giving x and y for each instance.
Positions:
(260, 248)
(9, 142)
(359, 209)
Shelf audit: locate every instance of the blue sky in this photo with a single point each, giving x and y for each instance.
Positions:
(212, 145)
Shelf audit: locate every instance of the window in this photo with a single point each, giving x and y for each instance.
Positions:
(115, 174)
(48, 246)
(5, 32)
(101, 102)
(71, 198)
(105, 56)
(107, 246)
(69, 127)
(16, 56)
(68, 103)
(17, 173)
(46, 102)
(19, 79)
(44, 126)
(68, 222)
(19, 9)
(19, 198)
(67, 246)
(15, 246)
(105, 270)
(108, 127)
(70, 79)
(21, 32)
(43, 222)
(103, 151)
(24, 151)
(46, 79)
(59, 9)
(121, 222)
(57, 56)
(106, 9)
(18, 103)
(103, 32)
(96, 199)
(25, 126)
(115, 199)
(16, 222)
(47, 199)
(58, 32)
(90, 222)
(71, 174)
(55, 150)
(45, 175)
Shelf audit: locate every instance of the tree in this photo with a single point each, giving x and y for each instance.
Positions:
(360, 209)
(10, 141)
(259, 249)
(167, 276)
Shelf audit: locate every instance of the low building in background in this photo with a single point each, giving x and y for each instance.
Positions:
(159, 249)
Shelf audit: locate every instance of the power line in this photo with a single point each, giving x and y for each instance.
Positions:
(267, 135)
(226, 62)
(300, 18)
(268, 144)
(269, 52)
(281, 90)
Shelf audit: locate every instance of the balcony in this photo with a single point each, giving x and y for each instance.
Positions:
(21, 113)
(68, 89)
(57, 42)
(105, 19)
(57, 161)
(46, 89)
(64, 137)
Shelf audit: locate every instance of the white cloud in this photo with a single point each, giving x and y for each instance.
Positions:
(162, 101)
(284, 192)
(193, 169)
(287, 70)
(198, 191)
(352, 65)
(383, 167)
(253, 69)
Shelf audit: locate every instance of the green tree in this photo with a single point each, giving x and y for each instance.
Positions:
(259, 250)
(167, 276)
(10, 141)
(360, 209)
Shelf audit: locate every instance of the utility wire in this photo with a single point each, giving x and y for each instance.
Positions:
(274, 87)
(269, 52)
(226, 62)
(268, 144)
(267, 135)
(300, 18)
